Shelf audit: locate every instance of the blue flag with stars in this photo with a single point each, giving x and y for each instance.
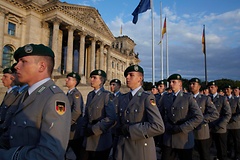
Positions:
(143, 6)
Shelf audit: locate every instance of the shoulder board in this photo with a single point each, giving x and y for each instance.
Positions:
(55, 89)
(146, 92)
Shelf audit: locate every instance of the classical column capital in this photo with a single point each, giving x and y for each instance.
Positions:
(56, 20)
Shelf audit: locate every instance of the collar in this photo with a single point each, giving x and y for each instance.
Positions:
(36, 85)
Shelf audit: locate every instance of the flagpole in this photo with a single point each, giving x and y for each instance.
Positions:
(153, 57)
(161, 45)
(205, 55)
(167, 65)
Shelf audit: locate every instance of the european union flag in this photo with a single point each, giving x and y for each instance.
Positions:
(143, 6)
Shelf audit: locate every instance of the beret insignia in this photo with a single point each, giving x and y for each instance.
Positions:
(28, 48)
(99, 72)
(136, 68)
(60, 107)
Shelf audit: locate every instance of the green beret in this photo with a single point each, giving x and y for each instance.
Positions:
(195, 80)
(174, 77)
(154, 86)
(160, 82)
(228, 86)
(33, 50)
(133, 68)
(13, 68)
(7, 70)
(74, 75)
(212, 83)
(116, 81)
(98, 72)
(235, 87)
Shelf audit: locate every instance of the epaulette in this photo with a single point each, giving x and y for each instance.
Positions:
(146, 92)
(55, 89)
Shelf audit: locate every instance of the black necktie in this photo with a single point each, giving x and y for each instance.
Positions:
(25, 96)
(93, 94)
(130, 96)
(174, 97)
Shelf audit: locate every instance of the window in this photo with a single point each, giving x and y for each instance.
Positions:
(11, 29)
(7, 58)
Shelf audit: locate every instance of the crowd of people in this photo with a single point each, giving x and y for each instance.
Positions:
(39, 121)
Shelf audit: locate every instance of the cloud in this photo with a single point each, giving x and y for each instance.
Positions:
(184, 43)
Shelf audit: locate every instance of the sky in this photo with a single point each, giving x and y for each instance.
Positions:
(185, 20)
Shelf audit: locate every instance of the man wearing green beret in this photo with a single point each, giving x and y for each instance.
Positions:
(139, 119)
(233, 126)
(41, 125)
(77, 105)
(99, 117)
(181, 114)
(236, 91)
(210, 113)
(218, 128)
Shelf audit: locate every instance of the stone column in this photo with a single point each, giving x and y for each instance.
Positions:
(56, 23)
(70, 50)
(2, 29)
(101, 56)
(81, 54)
(23, 31)
(109, 64)
(93, 52)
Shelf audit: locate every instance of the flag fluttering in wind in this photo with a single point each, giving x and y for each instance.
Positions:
(203, 41)
(143, 6)
(121, 30)
(164, 30)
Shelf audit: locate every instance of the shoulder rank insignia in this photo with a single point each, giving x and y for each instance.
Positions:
(77, 95)
(152, 101)
(60, 107)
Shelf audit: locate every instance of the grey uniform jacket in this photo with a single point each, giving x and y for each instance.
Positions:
(100, 117)
(8, 99)
(224, 110)
(143, 117)
(234, 122)
(210, 114)
(40, 126)
(77, 105)
(183, 112)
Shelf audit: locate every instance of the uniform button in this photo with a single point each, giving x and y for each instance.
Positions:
(127, 121)
(120, 109)
(205, 125)
(11, 137)
(200, 107)
(173, 108)
(135, 110)
(173, 114)
(54, 86)
(24, 122)
(182, 107)
(145, 144)
(5, 106)
(14, 123)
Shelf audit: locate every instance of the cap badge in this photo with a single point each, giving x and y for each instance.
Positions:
(74, 75)
(28, 48)
(136, 68)
(99, 72)
(178, 77)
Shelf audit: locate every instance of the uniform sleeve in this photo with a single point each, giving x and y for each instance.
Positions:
(195, 116)
(54, 136)
(211, 113)
(152, 126)
(77, 106)
(236, 116)
(225, 114)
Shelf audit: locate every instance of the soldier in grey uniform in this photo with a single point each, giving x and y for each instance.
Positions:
(210, 113)
(233, 127)
(139, 120)
(77, 105)
(40, 126)
(236, 91)
(9, 82)
(181, 115)
(8, 107)
(218, 128)
(115, 85)
(99, 117)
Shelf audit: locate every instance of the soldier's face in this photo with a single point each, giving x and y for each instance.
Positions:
(194, 87)
(213, 89)
(154, 91)
(114, 87)
(96, 82)
(7, 80)
(228, 91)
(30, 69)
(175, 85)
(236, 92)
(71, 82)
(134, 80)
(161, 88)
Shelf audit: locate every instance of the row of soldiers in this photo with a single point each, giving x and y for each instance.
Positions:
(43, 122)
